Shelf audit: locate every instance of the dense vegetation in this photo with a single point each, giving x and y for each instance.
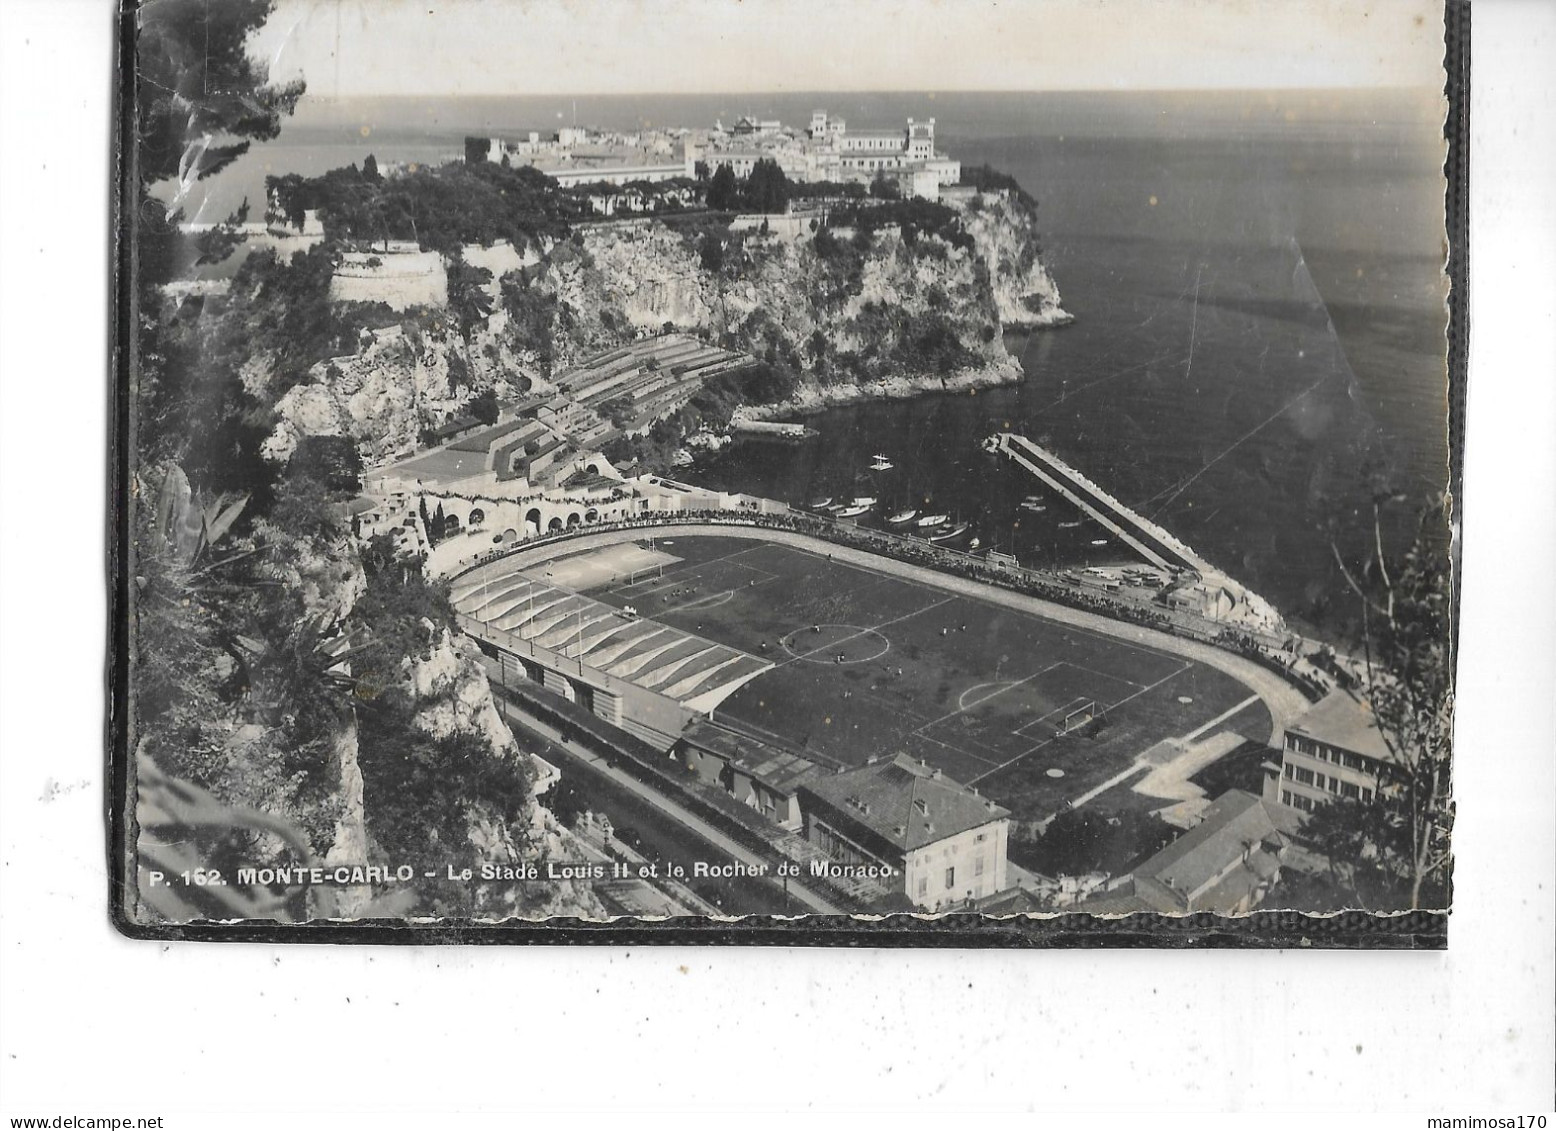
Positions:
(1080, 842)
(765, 189)
(915, 217)
(438, 208)
(419, 790)
(266, 647)
(986, 178)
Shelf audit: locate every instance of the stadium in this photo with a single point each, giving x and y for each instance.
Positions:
(817, 654)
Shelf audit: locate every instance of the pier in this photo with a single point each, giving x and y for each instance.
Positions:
(1141, 535)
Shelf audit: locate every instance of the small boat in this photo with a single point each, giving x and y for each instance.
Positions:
(933, 520)
(901, 516)
(821, 503)
(851, 512)
(863, 501)
(1033, 499)
(1068, 525)
(1033, 508)
(881, 463)
(1099, 541)
(833, 508)
(946, 535)
(975, 543)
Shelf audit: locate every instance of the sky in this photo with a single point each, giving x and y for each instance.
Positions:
(349, 48)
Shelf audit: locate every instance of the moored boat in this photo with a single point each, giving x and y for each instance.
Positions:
(1099, 541)
(933, 520)
(1068, 525)
(955, 531)
(852, 511)
(881, 463)
(863, 501)
(821, 503)
(901, 517)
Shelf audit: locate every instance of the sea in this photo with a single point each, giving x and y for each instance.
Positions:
(1257, 356)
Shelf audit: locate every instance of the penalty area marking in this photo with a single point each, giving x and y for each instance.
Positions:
(712, 601)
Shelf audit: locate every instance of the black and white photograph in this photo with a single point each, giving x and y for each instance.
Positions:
(920, 465)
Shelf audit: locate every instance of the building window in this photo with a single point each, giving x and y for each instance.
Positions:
(1349, 790)
(980, 838)
(1366, 794)
(1303, 777)
(950, 877)
(1285, 797)
(923, 886)
(1288, 769)
(978, 866)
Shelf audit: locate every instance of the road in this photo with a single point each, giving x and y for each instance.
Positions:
(631, 803)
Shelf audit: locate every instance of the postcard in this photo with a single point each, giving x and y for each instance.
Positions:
(914, 473)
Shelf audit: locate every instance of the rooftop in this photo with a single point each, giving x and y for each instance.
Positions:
(905, 802)
(1342, 721)
(1212, 867)
(767, 762)
(1238, 827)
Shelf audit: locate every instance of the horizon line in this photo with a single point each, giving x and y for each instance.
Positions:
(927, 94)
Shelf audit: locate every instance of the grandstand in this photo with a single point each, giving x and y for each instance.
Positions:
(536, 620)
(649, 379)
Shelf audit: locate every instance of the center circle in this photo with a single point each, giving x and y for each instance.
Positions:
(825, 643)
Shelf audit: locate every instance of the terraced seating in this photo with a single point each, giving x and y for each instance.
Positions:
(483, 440)
(671, 661)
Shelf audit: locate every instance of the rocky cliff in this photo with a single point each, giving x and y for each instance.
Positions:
(867, 309)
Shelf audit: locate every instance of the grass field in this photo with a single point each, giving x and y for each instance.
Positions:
(869, 663)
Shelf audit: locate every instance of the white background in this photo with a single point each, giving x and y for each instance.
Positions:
(93, 1024)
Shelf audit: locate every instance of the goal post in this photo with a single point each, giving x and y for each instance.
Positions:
(1077, 715)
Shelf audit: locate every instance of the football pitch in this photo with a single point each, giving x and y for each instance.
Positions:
(1032, 712)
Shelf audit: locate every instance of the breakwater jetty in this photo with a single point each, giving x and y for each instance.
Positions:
(1153, 543)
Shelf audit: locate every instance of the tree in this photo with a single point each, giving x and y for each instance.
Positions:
(710, 252)
(370, 169)
(1081, 841)
(477, 149)
(331, 460)
(201, 96)
(767, 188)
(1407, 680)
(468, 297)
(723, 190)
(201, 99)
(483, 406)
(883, 188)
